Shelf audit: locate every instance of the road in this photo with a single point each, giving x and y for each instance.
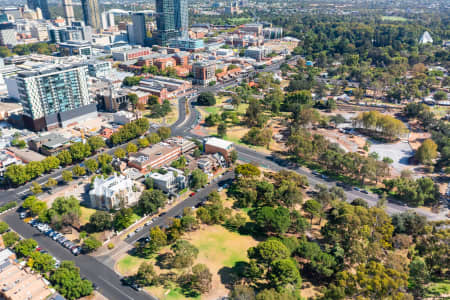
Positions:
(104, 277)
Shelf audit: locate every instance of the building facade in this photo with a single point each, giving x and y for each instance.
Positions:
(172, 20)
(8, 35)
(42, 4)
(139, 29)
(91, 13)
(113, 192)
(55, 96)
(68, 11)
(204, 72)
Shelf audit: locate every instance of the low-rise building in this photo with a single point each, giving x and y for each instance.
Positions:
(113, 192)
(185, 144)
(134, 53)
(169, 182)
(165, 87)
(7, 158)
(154, 156)
(49, 144)
(124, 117)
(215, 145)
(19, 283)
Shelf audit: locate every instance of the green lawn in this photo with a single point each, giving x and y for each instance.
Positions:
(129, 265)
(212, 109)
(393, 18)
(437, 289)
(86, 213)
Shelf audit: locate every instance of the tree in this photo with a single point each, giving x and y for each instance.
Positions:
(120, 153)
(3, 227)
(122, 219)
(133, 99)
(79, 171)
(65, 158)
(79, 151)
(313, 208)
(158, 237)
(419, 276)
(67, 176)
(247, 170)
(38, 208)
(10, 238)
(91, 244)
(371, 280)
(201, 278)
(284, 272)
(36, 188)
(25, 247)
(426, 152)
(51, 182)
(131, 80)
(29, 201)
(184, 254)
(233, 156)
(96, 142)
(222, 129)
(67, 281)
(132, 148)
(146, 275)
(206, 99)
(100, 221)
(242, 292)
(268, 251)
(440, 95)
(150, 201)
(271, 219)
(91, 165)
(198, 179)
(143, 142)
(17, 175)
(153, 138)
(50, 163)
(42, 262)
(164, 132)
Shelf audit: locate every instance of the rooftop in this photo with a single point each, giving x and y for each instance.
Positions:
(219, 143)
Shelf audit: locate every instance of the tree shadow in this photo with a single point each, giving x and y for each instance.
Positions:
(230, 276)
(163, 261)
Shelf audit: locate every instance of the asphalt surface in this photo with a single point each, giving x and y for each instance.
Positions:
(200, 196)
(106, 279)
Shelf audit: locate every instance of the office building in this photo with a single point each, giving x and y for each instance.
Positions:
(91, 13)
(55, 96)
(68, 11)
(214, 145)
(181, 17)
(204, 72)
(98, 68)
(39, 32)
(139, 29)
(42, 4)
(8, 35)
(71, 48)
(113, 192)
(187, 44)
(154, 157)
(107, 20)
(134, 53)
(169, 182)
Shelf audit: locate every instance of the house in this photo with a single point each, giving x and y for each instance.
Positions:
(113, 192)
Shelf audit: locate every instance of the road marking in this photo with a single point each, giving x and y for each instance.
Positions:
(104, 280)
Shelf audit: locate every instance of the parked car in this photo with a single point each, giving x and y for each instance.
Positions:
(148, 223)
(191, 194)
(364, 191)
(23, 215)
(357, 189)
(131, 234)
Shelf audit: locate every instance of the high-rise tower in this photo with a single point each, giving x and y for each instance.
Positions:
(91, 13)
(68, 11)
(172, 20)
(42, 4)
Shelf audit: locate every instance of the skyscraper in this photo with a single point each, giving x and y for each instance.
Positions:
(171, 19)
(139, 29)
(181, 16)
(91, 13)
(54, 96)
(68, 11)
(42, 4)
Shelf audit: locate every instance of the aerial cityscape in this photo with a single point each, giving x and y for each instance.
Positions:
(224, 150)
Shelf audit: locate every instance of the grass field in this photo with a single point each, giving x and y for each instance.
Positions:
(129, 265)
(438, 289)
(86, 213)
(393, 18)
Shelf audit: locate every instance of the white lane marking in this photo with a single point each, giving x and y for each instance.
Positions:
(104, 280)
